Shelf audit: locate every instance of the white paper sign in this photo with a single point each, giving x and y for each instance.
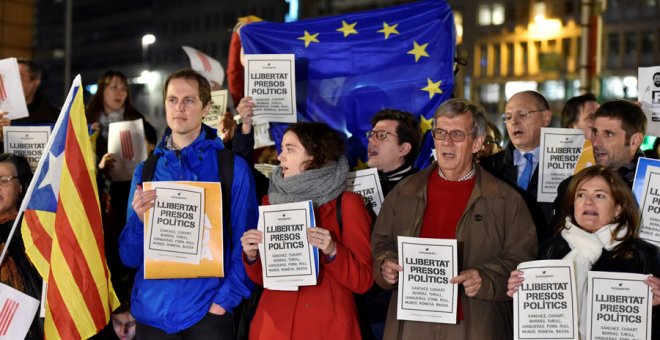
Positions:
(270, 81)
(17, 311)
(218, 109)
(649, 96)
(560, 151)
(425, 293)
(262, 135)
(619, 306)
(26, 141)
(287, 259)
(12, 98)
(175, 228)
(650, 206)
(545, 306)
(366, 184)
(126, 141)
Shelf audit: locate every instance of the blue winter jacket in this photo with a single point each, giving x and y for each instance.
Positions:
(177, 304)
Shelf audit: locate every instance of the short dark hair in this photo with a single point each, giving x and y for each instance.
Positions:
(571, 112)
(320, 141)
(35, 70)
(621, 193)
(630, 114)
(202, 84)
(23, 172)
(407, 129)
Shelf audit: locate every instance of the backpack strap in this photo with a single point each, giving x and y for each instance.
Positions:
(149, 167)
(338, 213)
(226, 172)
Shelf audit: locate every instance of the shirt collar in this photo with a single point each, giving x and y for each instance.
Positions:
(519, 156)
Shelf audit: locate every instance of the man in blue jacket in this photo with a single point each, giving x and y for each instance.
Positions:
(198, 308)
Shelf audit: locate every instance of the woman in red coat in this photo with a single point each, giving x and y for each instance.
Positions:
(312, 167)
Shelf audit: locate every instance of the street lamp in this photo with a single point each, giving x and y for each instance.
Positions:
(147, 40)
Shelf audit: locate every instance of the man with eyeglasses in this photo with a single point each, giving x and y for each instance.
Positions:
(456, 199)
(617, 133)
(393, 145)
(525, 114)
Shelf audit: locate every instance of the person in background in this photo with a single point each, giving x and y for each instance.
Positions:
(394, 141)
(41, 112)
(525, 114)
(578, 113)
(492, 143)
(654, 152)
(313, 167)
(456, 199)
(600, 233)
(17, 270)
(189, 308)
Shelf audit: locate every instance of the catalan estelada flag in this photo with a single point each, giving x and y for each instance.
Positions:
(63, 232)
(350, 66)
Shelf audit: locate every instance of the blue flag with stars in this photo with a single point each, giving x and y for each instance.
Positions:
(348, 67)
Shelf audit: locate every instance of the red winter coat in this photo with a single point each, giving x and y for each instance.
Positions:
(327, 310)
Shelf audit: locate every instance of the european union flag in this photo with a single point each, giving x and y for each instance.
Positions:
(350, 66)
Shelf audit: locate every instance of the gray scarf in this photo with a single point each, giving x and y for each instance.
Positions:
(319, 185)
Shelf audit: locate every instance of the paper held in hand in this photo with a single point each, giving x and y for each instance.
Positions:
(12, 99)
(184, 231)
(560, 152)
(425, 293)
(646, 188)
(287, 259)
(619, 306)
(366, 184)
(127, 143)
(545, 306)
(270, 79)
(26, 141)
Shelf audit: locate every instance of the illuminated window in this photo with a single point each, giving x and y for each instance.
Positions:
(498, 14)
(484, 15)
(489, 94)
(491, 14)
(513, 87)
(458, 21)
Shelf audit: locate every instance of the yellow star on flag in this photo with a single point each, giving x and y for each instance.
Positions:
(347, 28)
(418, 51)
(309, 38)
(361, 165)
(387, 30)
(425, 124)
(432, 88)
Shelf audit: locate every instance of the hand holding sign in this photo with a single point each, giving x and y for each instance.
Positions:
(143, 200)
(515, 280)
(390, 269)
(244, 109)
(471, 281)
(250, 242)
(321, 239)
(654, 283)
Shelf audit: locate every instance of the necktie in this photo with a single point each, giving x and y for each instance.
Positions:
(523, 180)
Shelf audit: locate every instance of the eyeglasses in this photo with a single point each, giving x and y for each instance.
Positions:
(380, 134)
(4, 180)
(454, 135)
(523, 115)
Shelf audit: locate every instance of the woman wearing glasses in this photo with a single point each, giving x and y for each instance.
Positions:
(313, 167)
(16, 270)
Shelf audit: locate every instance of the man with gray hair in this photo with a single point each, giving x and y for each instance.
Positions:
(487, 217)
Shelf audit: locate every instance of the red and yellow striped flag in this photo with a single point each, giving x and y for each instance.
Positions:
(63, 232)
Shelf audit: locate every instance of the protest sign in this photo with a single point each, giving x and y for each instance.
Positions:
(366, 184)
(218, 109)
(425, 293)
(618, 306)
(12, 99)
(587, 158)
(287, 258)
(545, 307)
(648, 82)
(560, 151)
(211, 259)
(262, 135)
(127, 143)
(270, 81)
(646, 188)
(17, 311)
(175, 223)
(26, 141)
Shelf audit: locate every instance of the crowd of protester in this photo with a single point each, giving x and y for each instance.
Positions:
(482, 193)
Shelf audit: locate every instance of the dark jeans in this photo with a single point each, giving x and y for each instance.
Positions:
(212, 326)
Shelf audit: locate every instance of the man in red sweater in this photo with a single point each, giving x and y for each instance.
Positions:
(456, 199)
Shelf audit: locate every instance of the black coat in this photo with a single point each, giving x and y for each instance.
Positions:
(501, 166)
(645, 259)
